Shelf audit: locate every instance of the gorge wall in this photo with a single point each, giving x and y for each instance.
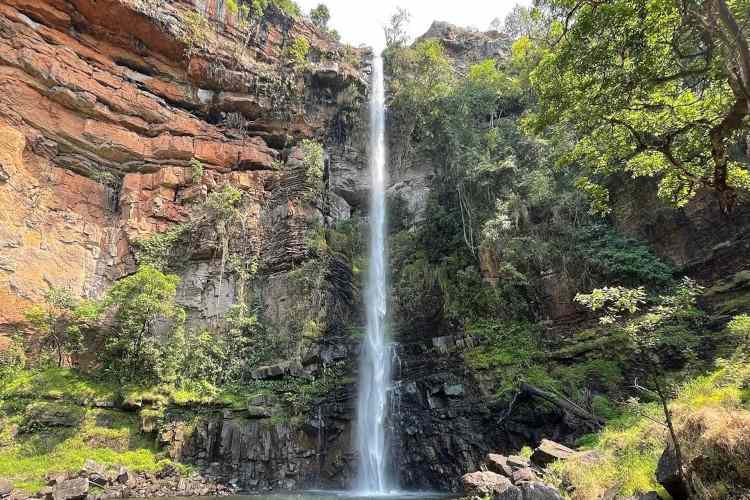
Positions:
(108, 107)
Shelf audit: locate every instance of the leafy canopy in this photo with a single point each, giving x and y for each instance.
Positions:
(654, 88)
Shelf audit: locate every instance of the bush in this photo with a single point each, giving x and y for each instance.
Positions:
(297, 51)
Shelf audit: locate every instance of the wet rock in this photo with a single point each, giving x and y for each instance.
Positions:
(668, 475)
(484, 483)
(548, 451)
(72, 489)
(454, 390)
(539, 491)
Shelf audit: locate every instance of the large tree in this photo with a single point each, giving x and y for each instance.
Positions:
(651, 87)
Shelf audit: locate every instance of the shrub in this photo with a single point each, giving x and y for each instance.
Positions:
(297, 51)
(147, 326)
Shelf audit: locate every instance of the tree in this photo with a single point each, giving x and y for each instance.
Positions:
(320, 16)
(395, 31)
(61, 320)
(657, 89)
(647, 333)
(147, 320)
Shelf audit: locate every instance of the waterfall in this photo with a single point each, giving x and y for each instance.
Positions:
(375, 357)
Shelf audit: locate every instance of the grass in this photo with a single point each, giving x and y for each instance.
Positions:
(627, 450)
(109, 437)
(55, 383)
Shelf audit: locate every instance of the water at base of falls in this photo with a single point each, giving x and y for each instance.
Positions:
(375, 357)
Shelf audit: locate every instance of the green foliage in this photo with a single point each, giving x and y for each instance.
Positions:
(196, 170)
(298, 50)
(509, 352)
(31, 456)
(160, 250)
(61, 321)
(615, 259)
(643, 95)
(196, 31)
(55, 383)
(320, 16)
(314, 163)
(142, 304)
(12, 358)
(222, 204)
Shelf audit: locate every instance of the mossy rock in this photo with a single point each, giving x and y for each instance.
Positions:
(45, 415)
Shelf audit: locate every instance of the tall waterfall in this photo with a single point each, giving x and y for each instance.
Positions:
(375, 362)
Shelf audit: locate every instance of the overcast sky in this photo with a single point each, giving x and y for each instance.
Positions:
(361, 21)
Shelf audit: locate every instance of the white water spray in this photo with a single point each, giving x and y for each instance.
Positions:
(375, 362)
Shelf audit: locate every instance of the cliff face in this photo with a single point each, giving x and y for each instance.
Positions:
(106, 109)
(103, 107)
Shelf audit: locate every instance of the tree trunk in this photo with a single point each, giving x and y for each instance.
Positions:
(561, 402)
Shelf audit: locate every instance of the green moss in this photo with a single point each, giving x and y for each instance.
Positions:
(106, 436)
(55, 383)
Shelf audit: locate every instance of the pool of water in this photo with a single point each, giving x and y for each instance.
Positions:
(330, 495)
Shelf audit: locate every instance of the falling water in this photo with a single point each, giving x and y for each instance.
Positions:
(375, 362)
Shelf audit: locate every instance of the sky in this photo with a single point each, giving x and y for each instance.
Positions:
(361, 21)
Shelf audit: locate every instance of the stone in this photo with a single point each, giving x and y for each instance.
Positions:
(524, 474)
(499, 463)
(548, 451)
(41, 415)
(668, 475)
(72, 489)
(5, 488)
(484, 483)
(539, 491)
(123, 475)
(258, 411)
(518, 462)
(453, 389)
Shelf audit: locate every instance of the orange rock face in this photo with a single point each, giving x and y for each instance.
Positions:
(101, 113)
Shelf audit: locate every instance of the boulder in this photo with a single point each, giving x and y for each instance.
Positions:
(42, 415)
(499, 463)
(549, 451)
(5, 488)
(123, 475)
(524, 474)
(668, 475)
(518, 462)
(539, 491)
(484, 483)
(72, 489)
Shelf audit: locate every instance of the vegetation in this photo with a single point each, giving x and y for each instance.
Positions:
(298, 50)
(62, 321)
(320, 16)
(710, 415)
(651, 89)
(139, 302)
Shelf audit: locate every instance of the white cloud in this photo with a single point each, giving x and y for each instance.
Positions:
(361, 21)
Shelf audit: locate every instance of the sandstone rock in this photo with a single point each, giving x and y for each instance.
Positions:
(668, 475)
(499, 463)
(484, 483)
(539, 491)
(549, 451)
(72, 489)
